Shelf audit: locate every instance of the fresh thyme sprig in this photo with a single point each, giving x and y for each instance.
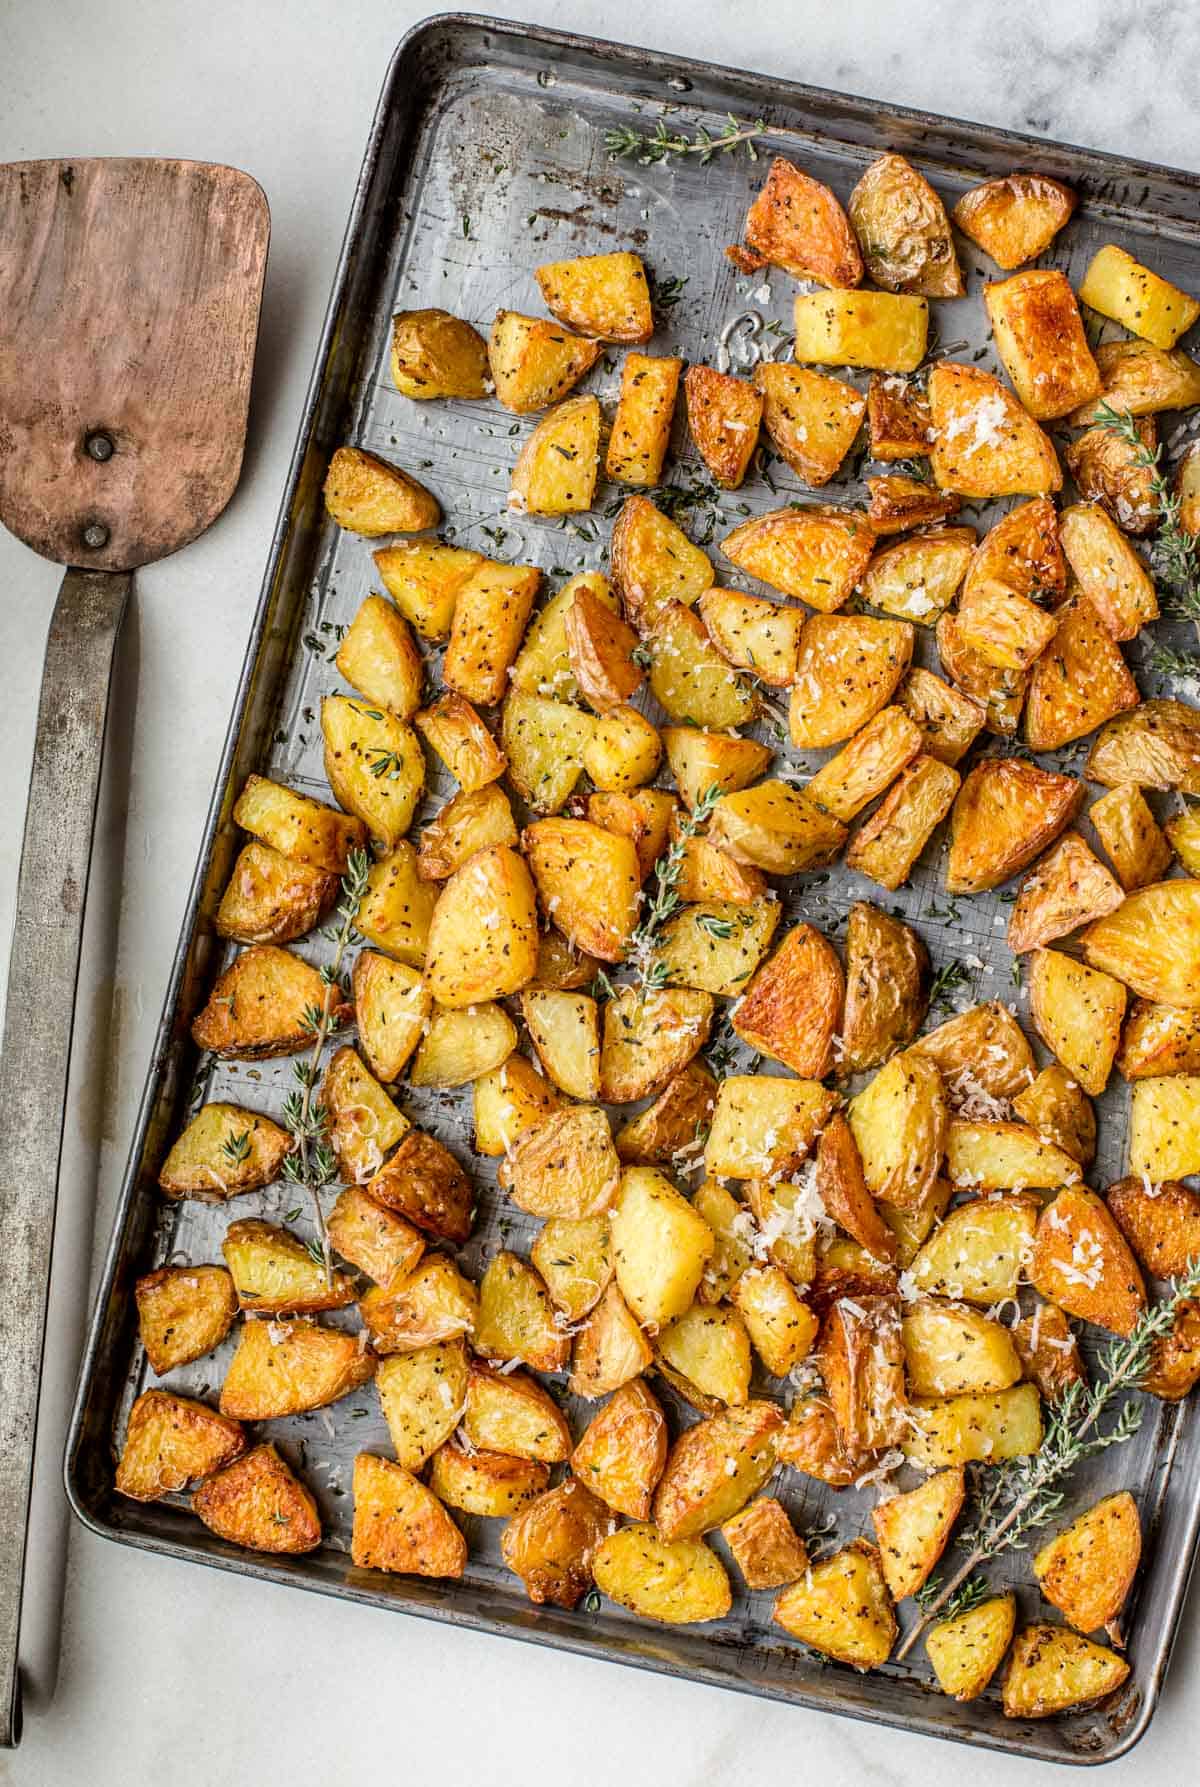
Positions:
(946, 982)
(652, 975)
(1173, 549)
(971, 1593)
(236, 1148)
(625, 143)
(311, 1164)
(1026, 1493)
(1164, 661)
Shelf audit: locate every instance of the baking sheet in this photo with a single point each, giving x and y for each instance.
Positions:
(487, 156)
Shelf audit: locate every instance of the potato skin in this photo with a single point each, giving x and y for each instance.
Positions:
(258, 1006)
(1006, 812)
(766, 1547)
(1040, 338)
(793, 1005)
(424, 1183)
(605, 295)
(905, 233)
(223, 1151)
(1162, 1226)
(366, 495)
(723, 413)
(887, 970)
(1108, 1290)
(435, 354)
(677, 1582)
(257, 1502)
(552, 1541)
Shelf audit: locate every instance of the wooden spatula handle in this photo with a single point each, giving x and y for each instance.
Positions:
(36, 1051)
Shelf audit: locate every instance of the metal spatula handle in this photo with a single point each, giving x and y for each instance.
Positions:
(36, 1052)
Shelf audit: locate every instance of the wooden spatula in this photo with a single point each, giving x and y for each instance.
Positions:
(129, 302)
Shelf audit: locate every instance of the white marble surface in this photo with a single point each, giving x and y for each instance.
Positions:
(201, 1680)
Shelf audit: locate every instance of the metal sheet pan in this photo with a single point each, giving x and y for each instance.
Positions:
(487, 156)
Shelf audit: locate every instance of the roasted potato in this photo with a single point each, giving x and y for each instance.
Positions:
(811, 420)
(1052, 1670)
(700, 761)
(1003, 629)
(985, 443)
(980, 1252)
(374, 764)
(1049, 1351)
(797, 224)
(535, 363)
(169, 1442)
(765, 1545)
(1087, 1570)
(708, 1349)
(981, 1049)
(887, 967)
(999, 693)
(688, 676)
(401, 1526)
(223, 1151)
(882, 331)
(1067, 888)
(1164, 1128)
(490, 612)
(1111, 575)
(516, 1317)
(751, 634)
(424, 579)
(888, 845)
(846, 671)
(899, 503)
(183, 1313)
(865, 766)
(653, 562)
(488, 1484)
(950, 722)
(673, 1128)
(775, 827)
(1005, 814)
(1161, 1223)
(551, 1543)
(269, 898)
(677, 1582)
(916, 579)
(483, 934)
(622, 1452)
(643, 815)
(1021, 555)
(723, 415)
(641, 429)
(914, 1528)
(423, 1182)
(564, 1030)
(1155, 746)
(732, 1225)
(1111, 471)
(467, 824)
(965, 1651)
(379, 658)
(395, 911)
(605, 295)
(1144, 302)
(1152, 943)
(543, 665)
(379, 1243)
(950, 1350)
(898, 422)
(423, 1395)
(1183, 831)
(433, 1304)
(911, 1228)
(860, 1356)
(458, 1046)
(1056, 1106)
(286, 1368)
(557, 468)
(1082, 1262)
(267, 1002)
(561, 965)
(1015, 219)
(366, 495)
(1141, 379)
(660, 1245)
(781, 1327)
(899, 1122)
(714, 1468)
(811, 1443)
(588, 881)
(1175, 1356)
(982, 1429)
(902, 226)
(793, 1005)
(600, 650)
(842, 1189)
(545, 743)
(363, 1124)
(435, 354)
(510, 1412)
(817, 555)
(565, 1167)
(274, 1273)
(1159, 1039)
(610, 1349)
(1130, 834)
(842, 1608)
(1040, 339)
(764, 1125)
(257, 1502)
(574, 1257)
(1077, 1012)
(649, 1037)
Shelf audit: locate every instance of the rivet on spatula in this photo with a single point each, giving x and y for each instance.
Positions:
(95, 535)
(99, 446)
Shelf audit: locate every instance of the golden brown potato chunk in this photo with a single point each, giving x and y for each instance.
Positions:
(622, 1452)
(552, 1542)
(1143, 301)
(363, 1123)
(847, 669)
(1110, 573)
(764, 1125)
(812, 420)
(467, 824)
(565, 1167)
(914, 1528)
(183, 1313)
(1052, 1670)
(1082, 1262)
(887, 966)
(600, 648)
(950, 722)
(1155, 746)
(1057, 1107)
(1079, 682)
(842, 1188)
(763, 637)
(556, 470)
(223, 1151)
(516, 1316)
(1141, 379)
(641, 430)
(435, 354)
(1159, 1039)
(259, 1503)
(1006, 812)
(900, 1122)
(714, 1468)
(1087, 1570)
(899, 503)
(797, 224)
(660, 1245)
(866, 765)
(842, 1608)
(1077, 1012)
(775, 827)
(423, 1394)
(653, 562)
(979, 1253)
(898, 420)
(509, 1412)
(649, 1037)
(395, 911)
(860, 1356)
(974, 1429)
(401, 1526)
(688, 675)
(1068, 887)
(817, 555)
(366, 495)
(374, 764)
(1040, 338)
(985, 443)
(288, 1367)
(916, 579)
(298, 826)
(383, 1245)
(643, 815)
(983, 1048)
(888, 845)
(723, 414)
(673, 1128)
(766, 1547)
(269, 898)
(485, 1483)
(965, 1652)
(705, 1354)
(274, 1273)
(1152, 943)
(701, 760)
(882, 331)
(1015, 219)
(1175, 1357)
(950, 1350)
(1130, 834)
(1164, 1128)
(1049, 1351)
(490, 612)
(267, 1002)
(678, 1583)
(434, 1303)
(904, 231)
(379, 658)
(605, 295)
(811, 1443)
(1110, 471)
(483, 933)
(534, 363)
(610, 1349)
(170, 1441)
(424, 579)
(424, 1183)
(989, 1155)
(451, 728)
(793, 1005)
(588, 880)
(1162, 1224)
(999, 692)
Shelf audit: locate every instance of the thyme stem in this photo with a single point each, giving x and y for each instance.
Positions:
(652, 975)
(1174, 549)
(626, 142)
(1072, 1435)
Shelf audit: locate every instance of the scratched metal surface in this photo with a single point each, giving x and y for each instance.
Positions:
(487, 156)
